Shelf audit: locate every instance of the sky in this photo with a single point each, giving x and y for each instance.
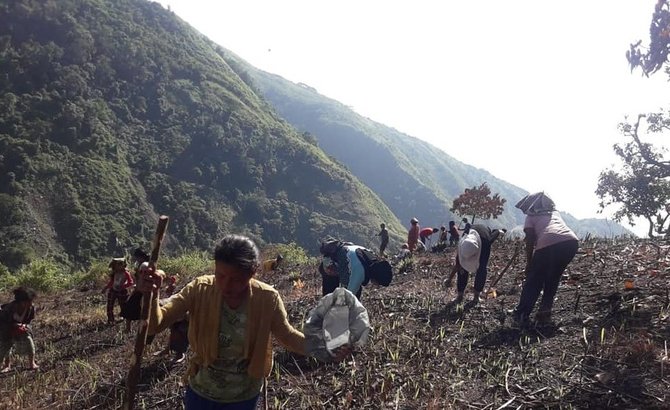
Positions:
(532, 91)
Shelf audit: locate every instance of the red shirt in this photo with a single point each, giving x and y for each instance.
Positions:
(426, 232)
(413, 236)
(125, 283)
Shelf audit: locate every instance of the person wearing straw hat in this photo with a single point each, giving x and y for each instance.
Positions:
(550, 247)
(474, 250)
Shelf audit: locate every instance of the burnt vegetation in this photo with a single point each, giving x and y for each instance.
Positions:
(606, 349)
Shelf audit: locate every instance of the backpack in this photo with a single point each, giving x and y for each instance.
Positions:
(329, 247)
(375, 268)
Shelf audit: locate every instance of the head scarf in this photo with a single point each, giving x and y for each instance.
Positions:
(536, 204)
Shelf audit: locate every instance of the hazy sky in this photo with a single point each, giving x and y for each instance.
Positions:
(531, 91)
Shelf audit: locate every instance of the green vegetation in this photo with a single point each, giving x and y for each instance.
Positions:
(112, 113)
(641, 185)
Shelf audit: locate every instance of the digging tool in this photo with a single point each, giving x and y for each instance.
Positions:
(517, 250)
(141, 340)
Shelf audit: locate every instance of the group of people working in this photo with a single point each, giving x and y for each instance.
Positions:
(550, 246)
(232, 315)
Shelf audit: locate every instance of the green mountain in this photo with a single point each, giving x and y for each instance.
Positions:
(113, 112)
(413, 177)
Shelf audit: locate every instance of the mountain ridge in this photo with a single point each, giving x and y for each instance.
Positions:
(304, 107)
(115, 113)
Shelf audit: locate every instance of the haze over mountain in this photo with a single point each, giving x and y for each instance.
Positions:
(413, 177)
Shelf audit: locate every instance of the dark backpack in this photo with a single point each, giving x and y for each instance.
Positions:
(375, 268)
(330, 247)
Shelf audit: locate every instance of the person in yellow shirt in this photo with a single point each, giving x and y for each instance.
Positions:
(272, 264)
(232, 316)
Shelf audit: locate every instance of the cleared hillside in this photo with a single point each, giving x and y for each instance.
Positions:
(606, 349)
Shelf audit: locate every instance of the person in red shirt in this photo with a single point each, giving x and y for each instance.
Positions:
(413, 234)
(425, 234)
(117, 287)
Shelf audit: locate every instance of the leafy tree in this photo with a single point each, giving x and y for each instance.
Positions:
(641, 187)
(655, 56)
(478, 202)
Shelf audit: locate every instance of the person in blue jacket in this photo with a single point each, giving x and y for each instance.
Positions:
(342, 259)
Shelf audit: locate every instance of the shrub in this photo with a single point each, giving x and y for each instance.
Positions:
(187, 266)
(42, 275)
(293, 254)
(95, 277)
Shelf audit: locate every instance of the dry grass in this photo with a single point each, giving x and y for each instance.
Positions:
(608, 347)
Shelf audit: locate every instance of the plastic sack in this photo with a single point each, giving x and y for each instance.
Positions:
(339, 319)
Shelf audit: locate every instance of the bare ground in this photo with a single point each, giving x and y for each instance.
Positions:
(607, 348)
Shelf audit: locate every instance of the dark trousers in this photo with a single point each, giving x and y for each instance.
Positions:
(544, 274)
(112, 296)
(193, 401)
(480, 275)
(329, 284)
(382, 247)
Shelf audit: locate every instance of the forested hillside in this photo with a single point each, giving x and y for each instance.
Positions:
(114, 112)
(411, 176)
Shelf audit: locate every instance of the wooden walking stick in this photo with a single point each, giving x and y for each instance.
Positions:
(136, 362)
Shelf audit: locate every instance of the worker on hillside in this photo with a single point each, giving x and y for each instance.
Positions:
(15, 318)
(348, 261)
(454, 235)
(550, 247)
(474, 250)
(232, 318)
(271, 265)
(413, 234)
(384, 236)
(120, 280)
(425, 234)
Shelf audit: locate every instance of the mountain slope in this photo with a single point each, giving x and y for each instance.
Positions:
(413, 177)
(114, 112)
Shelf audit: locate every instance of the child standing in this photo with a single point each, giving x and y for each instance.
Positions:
(117, 287)
(15, 318)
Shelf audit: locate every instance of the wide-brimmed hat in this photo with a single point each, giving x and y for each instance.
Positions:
(469, 249)
(536, 204)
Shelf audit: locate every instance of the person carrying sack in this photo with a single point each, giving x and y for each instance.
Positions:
(232, 320)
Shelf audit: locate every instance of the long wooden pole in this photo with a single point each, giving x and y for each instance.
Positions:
(141, 340)
(511, 261)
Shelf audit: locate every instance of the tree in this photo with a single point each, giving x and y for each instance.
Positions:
(642, 187)
(478, 202)
(655, 57)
